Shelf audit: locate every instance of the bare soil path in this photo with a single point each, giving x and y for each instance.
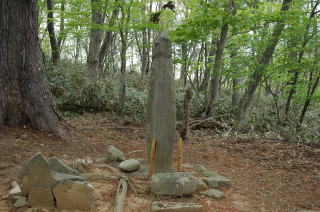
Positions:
(266, 176)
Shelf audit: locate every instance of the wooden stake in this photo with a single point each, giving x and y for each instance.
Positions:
(152, 156)
(179, 162)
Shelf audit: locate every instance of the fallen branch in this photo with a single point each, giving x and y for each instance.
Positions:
(121, 195)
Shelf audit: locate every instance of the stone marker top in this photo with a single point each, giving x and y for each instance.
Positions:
(162, 45)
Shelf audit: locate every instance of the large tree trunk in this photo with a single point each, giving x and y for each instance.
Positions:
(25, 98)
(95, 40)
(265, 59)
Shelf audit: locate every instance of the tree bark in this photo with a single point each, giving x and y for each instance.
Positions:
(264, 60)
(25, 98)
(184, 58)
(95, 41)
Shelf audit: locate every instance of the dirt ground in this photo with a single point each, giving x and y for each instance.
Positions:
(266, 175)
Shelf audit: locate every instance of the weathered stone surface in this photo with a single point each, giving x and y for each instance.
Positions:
(57, 165)
(20, 201)
(211, 182)
(72, 195)
(209, 174)
(199, 168)
(35, 173)
(16, 190)
(115, 154)
(213, 193)
(102, 160)
(158, 206)
(175, 183)
(60, 177)
(129, 165)
(222, 181)
(161, 115)
(40, 197)
(201, 185)
(187, 165)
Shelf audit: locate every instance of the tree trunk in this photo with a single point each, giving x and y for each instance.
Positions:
(262, 63)
(95, 41)
(25, 98)
(184, 58)
(55, 48)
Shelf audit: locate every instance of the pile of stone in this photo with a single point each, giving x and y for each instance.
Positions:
(51, 183)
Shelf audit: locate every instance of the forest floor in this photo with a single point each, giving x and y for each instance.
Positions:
(266, 175)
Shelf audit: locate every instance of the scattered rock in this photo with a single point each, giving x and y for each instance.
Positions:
(20, 201)
(35, 173)
(159, 206)
(211, 182)
(102, 160)
(222, 181)
(81, 164)
(115, 154)
(201, 185)
(199, 168)
(40, 197)
(187, 165)
(209, 174)
(16, 190)
(57, 165)
(173, 183)
(60, 177)
(213, 193)
(129, 165)
(72, 195)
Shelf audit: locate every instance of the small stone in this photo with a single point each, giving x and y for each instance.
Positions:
(213, 193)
(102, 160)
(16, 190)
(173, 183)
(187, 165)
(40, 197)
(71, 195)
(222, 181)
(20, 201)
(158, 206)
(211, 182)
(209, 174)
(115, 154)
(199, 168)
(129, 165)
(201, 185)
(35, 173)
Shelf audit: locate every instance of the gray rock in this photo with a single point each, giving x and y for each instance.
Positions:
(209, 174)
(115, 154)
(173, 183)
(81, 164)
(40, 197)
(16, 190)
(35, 173)
(158, 206)
(222, 181)
(60, 177)
(199, 168)
(201, 185)
(72, 195)
(187, 165)
(142, 173)
(58, 165)
(115, 164)
(211, 182)
(213, 193)
(20, 201)
(161, 107)
(103, 160)
(129, 165)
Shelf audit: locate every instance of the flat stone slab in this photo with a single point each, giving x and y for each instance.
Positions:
(213, 193)
(58, 165)
(16, 190)
(199, 168)
(40, 197)
(35, 173)
(211, 182)
(72, 195)
(20, 201)
(159, 206)
(201, 185)
(129, 165)
(173, 183)
(209, 174)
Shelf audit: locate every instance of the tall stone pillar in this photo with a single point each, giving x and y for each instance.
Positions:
(161, 115)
